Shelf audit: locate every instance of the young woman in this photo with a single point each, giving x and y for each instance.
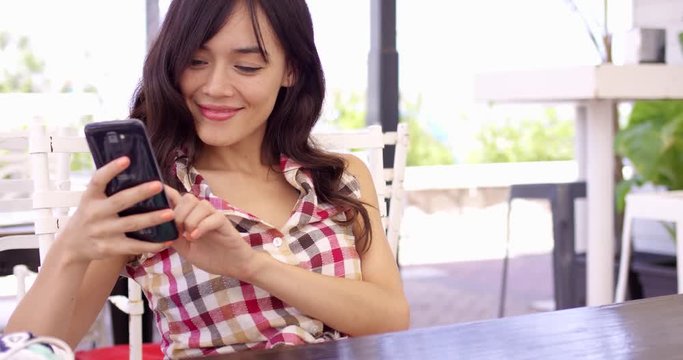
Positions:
(281, 242)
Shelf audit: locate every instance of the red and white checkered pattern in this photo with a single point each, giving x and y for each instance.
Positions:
(199, 313)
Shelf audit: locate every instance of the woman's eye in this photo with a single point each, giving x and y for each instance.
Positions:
(197, 62)
(247, 69)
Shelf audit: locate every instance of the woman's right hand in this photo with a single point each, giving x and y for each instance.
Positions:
(95, 231)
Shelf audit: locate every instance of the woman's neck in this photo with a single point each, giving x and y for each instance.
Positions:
(241, 158)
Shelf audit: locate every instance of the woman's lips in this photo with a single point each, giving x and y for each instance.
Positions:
(218, 113)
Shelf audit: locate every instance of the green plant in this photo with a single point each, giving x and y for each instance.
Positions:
(22, 69)
(350, 110)
(652, 141)
(424, 148)
(531, 139)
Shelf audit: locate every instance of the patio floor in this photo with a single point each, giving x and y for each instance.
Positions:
(451, 258)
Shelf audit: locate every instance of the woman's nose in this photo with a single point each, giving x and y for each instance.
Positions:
(219, 83)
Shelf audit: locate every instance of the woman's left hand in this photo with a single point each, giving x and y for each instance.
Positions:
(208, 240)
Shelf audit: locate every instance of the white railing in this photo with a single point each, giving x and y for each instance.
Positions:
(466, 176)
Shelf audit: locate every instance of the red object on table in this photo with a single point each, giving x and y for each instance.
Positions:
(150, 351)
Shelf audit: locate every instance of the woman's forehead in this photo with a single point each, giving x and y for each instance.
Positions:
(239, 32)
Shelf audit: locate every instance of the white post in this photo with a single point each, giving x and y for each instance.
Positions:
(37, 144)
(135, 310)
(600, 191)
(63, 176)
(679, 254)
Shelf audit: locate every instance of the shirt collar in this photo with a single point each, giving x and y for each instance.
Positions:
(189, 176)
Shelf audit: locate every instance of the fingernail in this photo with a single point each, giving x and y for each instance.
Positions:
(195, 234)
(168, 243)
(167, 215)
(186, 235)
(122, 161)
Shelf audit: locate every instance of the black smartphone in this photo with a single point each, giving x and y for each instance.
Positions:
(111, 139)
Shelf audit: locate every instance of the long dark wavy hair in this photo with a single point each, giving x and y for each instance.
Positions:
(159, 103)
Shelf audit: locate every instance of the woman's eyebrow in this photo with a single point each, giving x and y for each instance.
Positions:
(247, 50)
(244, 50)
(240, 50)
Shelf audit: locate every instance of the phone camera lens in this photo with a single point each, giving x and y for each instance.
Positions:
(112, 138)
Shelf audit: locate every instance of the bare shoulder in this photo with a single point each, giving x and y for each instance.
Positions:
(356, 167)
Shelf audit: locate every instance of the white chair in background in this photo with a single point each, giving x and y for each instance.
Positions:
(40, 194)
(16, 188)
(16, 208)
(47, 193)
(663, 206)
(369, 144)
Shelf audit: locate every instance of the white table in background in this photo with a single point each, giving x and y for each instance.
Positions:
(598, 88)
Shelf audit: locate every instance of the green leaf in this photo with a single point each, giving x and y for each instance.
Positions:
(652, 141)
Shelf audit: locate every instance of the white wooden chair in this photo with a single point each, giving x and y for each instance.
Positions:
(368, 144)
(16, 209)
(37, 200)
(663, 206)
(47, 193)
(15, 189)
(21, 203)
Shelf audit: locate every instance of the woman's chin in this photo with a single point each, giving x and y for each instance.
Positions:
(216, 142)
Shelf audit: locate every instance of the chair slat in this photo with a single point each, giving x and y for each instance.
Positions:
(69, 144)
(351, 139)
(12, 205)
(56, 199)
(390, 137)
(18, 242)
(389, 174)
(14, 141)
(16, 186)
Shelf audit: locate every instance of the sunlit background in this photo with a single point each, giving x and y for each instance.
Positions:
(85, 57)
(99, 46)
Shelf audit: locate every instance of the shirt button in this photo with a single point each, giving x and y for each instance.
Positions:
(277, 242)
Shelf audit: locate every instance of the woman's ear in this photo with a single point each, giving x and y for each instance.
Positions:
(289, 78)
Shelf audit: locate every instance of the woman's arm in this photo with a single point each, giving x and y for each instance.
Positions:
(66, 297)
(375, 304)
(84, 262)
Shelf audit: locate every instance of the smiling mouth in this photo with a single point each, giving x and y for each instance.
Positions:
(215, 113)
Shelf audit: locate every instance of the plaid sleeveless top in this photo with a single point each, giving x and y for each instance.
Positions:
(198, 313)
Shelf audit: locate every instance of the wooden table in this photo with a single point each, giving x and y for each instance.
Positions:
(641, 329)
(597, 88)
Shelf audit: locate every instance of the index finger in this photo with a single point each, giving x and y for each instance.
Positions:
(173, 195)
(106, 173)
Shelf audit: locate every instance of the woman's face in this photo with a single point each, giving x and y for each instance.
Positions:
(229, 88)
